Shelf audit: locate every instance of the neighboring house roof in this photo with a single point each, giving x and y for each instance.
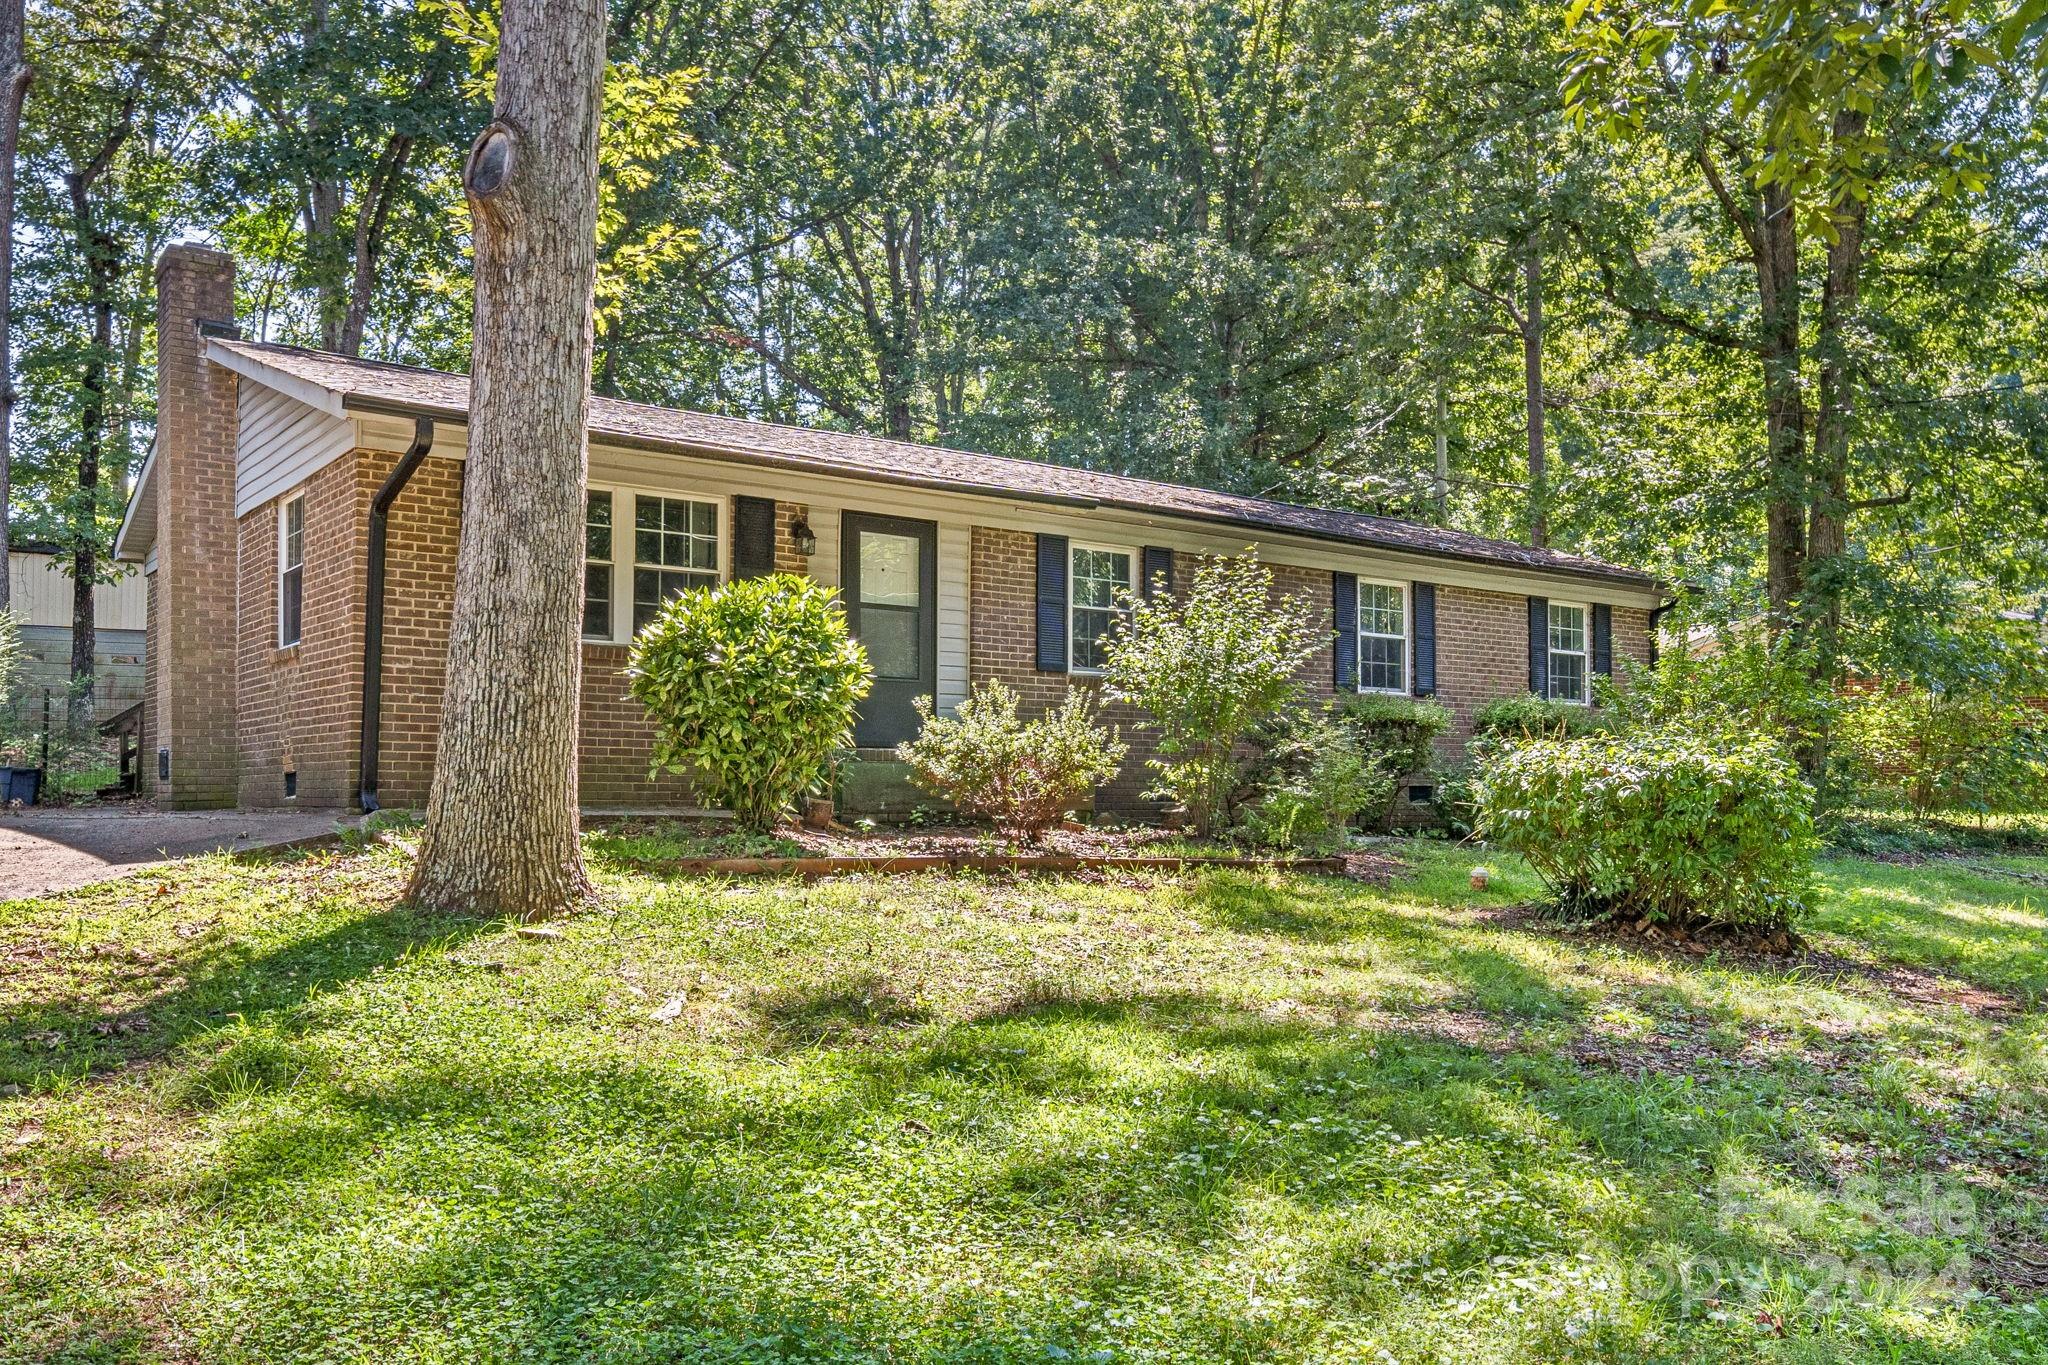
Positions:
(339, 383)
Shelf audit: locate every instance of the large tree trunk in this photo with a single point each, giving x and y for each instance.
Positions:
(501, 814)
(103, 263)
(1778, 294)
(15, 74)
(1532, 389)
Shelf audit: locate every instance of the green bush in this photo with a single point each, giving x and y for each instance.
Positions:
(1206, 666)
(1528, 716)
(1020, 775)
(1748, 686)
(751, 687)
(1309, 780)
(1941, 753)
(1659, 825)
(1397, 736)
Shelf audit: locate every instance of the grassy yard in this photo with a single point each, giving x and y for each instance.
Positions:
(249, 1112)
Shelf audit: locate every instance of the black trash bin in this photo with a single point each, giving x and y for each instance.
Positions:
(21, 784)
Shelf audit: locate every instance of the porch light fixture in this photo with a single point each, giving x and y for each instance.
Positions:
(802, 536)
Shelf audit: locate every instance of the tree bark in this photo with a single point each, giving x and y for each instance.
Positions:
(501, 833)
(15, 74)
(102, 266)
(1532, 389)
(1779, 296)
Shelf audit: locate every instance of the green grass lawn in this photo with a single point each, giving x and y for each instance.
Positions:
(250, 1112)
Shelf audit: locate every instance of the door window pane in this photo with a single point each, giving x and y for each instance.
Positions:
(890, 637)
(888, 569)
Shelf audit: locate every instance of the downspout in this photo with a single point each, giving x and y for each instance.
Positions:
(373, 605)
(1657, 614)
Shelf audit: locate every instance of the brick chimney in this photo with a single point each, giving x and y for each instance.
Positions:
(194, 755)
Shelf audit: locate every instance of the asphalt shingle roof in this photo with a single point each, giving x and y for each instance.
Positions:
(378, 386)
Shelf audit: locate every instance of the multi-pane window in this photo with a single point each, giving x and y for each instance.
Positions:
(291, 570)
(675, 547)
(1382, 637)
(597, 565)
(1100, 602)
(1567, 653)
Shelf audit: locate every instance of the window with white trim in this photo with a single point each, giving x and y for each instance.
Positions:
(1567, 652)
(1099, 601)
(597, 564)
(291, 570)
(1382, 637)
(675, 548)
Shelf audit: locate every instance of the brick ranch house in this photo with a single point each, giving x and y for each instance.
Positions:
(276, 471)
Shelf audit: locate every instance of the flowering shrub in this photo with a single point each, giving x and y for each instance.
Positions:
(1022, 776)
(751, 687)
(1659, 825)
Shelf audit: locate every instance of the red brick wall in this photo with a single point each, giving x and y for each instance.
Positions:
(300, 706)
(192, 613)
(1003, 642)
(1482, 643)
(307, 701)
(1482, 653)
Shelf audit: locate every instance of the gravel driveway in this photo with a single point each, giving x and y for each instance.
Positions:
(44, 851)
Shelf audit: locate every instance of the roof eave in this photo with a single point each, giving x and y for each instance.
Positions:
(133, 541)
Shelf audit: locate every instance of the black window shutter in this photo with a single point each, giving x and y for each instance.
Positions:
(1603, 638)
(1539, 646)
(1344, 611)
(1158, 572)
(1052, 604)
(753, 537)
(1422, 596)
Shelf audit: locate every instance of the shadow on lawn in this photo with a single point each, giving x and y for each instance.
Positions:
(643, 1212)
(198, 991)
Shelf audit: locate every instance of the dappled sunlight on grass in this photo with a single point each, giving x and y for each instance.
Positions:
(1228, 1116)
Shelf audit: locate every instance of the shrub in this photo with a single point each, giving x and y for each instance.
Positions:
(1933, 752)
(1749, 686)
(1309, 780)
(1660, 825)
(1206, 666)
(1529, 716)
(751, 687)
(1020, 775)
(1397, 736)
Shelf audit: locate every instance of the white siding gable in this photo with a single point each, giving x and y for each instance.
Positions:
(282, 442)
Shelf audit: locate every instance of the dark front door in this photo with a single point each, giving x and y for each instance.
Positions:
(889, 572)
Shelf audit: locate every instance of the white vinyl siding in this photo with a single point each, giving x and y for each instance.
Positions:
(280, 443)
(1382, 637)
(1567, 652)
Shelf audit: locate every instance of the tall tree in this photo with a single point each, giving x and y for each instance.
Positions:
(15, 74)
(100, 175)
(501, 831)
(343, 109)
(1799, 116)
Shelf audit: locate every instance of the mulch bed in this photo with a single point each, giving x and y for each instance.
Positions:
(841, 851)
